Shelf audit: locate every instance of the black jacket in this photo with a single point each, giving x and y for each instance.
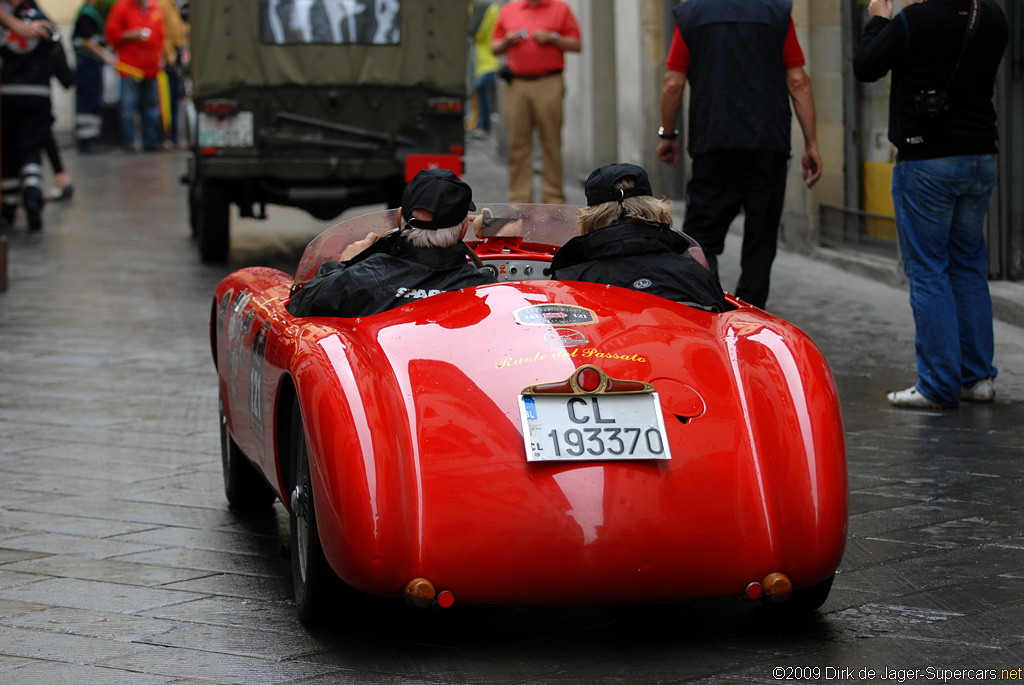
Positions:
(920, 46)
(385, 280)
(740, 96)
(28, 63)
(642, 257)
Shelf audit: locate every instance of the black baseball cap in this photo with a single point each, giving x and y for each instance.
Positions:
(439, 191)
(601, 188)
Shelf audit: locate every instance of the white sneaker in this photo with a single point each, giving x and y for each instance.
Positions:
(911, 399)
(982, 391)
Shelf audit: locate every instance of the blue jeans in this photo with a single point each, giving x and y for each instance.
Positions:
(484, 89)
(89, 101)
(940, 216)
(140, 96)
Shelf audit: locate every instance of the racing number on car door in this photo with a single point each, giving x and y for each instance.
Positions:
(256, 359)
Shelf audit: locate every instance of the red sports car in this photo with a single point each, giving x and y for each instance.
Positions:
(531, 441)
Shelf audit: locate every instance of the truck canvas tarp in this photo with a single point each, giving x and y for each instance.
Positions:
(319, 104)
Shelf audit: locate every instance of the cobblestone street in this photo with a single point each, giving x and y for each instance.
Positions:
(121, 563)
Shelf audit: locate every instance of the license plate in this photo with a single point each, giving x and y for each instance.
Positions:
(593, 427)
(225, 131)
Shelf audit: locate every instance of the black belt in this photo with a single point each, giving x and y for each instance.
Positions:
(534, 77)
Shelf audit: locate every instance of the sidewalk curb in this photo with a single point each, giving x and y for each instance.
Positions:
(1007, 296)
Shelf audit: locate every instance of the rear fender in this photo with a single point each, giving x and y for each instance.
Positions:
(793, 427)
(357, 430)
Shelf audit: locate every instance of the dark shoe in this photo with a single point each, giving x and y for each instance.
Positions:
(92, 148)
(64, 193)
(35, 219)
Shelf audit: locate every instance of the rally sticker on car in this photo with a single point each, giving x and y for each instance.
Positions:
(555, 315)
(565, 337)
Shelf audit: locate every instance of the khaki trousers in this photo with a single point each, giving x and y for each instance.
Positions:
(530, 105)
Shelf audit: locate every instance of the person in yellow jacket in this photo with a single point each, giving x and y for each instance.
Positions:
(482, 15)
(175, 38)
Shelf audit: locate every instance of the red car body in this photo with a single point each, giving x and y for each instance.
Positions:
(418, 465)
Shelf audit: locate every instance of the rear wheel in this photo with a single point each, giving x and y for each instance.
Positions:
(811, 598)
(315, 583)
(212, 211)
(244, 487)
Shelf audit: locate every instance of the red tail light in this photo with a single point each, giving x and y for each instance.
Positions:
(444, 106)
(221, 108)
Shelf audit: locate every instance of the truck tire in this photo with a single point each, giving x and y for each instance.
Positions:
(213, 222)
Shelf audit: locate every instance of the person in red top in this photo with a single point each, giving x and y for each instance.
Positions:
(135, 29)
(745, 66)
(534, 36)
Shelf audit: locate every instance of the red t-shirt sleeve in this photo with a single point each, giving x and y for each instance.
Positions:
(679, 54)
(792, 54)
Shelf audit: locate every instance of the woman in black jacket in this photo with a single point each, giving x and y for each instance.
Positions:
(627, 240)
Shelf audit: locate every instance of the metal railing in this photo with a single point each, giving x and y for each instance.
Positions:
(858, 230)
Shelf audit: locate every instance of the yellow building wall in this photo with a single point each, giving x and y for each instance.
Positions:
(877, 188)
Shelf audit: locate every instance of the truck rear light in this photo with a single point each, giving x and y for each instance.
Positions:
(414, 163)
(221, 108)
(444, 106)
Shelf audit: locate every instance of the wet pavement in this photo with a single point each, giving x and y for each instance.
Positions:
(120, 562)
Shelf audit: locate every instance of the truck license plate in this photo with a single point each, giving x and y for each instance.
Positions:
(225, 131)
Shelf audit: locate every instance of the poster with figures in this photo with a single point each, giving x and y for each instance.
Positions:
(289, 22)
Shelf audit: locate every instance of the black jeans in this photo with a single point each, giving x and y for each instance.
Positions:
(723, 183)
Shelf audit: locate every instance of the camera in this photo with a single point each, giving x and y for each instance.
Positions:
(930, 103)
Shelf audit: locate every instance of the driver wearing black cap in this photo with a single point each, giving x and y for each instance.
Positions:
(627, 240)
(425, 257)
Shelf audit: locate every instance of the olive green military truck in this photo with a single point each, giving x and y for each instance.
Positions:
(318, 104)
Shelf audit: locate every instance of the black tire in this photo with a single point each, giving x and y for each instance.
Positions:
(811, 598)
(316, 585)
(244, 487)
(213, 222)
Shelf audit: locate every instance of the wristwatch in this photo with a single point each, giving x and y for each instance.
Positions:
(665, 135)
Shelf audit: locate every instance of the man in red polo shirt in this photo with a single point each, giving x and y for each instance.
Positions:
(135, 29)
(534, 36)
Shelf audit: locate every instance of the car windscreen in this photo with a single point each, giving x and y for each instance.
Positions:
(549, 226)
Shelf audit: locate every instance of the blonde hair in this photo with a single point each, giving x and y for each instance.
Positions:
(645, 208)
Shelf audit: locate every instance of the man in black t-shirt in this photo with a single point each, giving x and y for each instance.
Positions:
(943, 56)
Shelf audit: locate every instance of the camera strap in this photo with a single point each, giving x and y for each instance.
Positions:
(972, 27)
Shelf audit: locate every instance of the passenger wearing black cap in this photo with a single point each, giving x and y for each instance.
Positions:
(426, 256)
(627, 240)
